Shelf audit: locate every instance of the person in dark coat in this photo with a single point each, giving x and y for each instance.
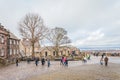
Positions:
(43, 61)
(66, 62)
(17, 62)
(36, 61)
(61, 61)
(28, 60)
(106, 60)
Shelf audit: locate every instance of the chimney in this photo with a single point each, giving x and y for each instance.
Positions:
(0, 24)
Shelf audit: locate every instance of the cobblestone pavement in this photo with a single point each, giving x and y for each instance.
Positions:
(25, 70)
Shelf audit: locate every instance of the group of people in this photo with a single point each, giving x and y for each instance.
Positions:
(104, 60)
(64, 61)
(42, 61)
(85, 58)
(36, 61)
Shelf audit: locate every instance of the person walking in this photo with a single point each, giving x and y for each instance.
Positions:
(36, 61)
(84, 59)
(66, 62)
(28, 60)
(48, 61)
(101, 61)
(43, 61)
(106, 61)
(61, 61)
(17, 61)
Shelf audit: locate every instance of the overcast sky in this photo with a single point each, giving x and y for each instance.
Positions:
(88, 22)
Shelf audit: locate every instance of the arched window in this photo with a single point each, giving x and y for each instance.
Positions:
(46, 53)
(53, 53)
(68, 52)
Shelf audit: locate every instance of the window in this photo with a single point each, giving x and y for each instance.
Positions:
(10, 51)
(17, 51)
(61, 52)
(14, 42)
(2, 52)
(10, 41)
(46, 53)
(2, 40)
(53, 53)
(68, 52)
(14, 51)
(17, 42)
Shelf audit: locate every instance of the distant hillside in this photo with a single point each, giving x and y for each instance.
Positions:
(99, 48)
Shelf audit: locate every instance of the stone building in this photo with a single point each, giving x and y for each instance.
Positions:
(46, 51)
(26, 49)
(13, 46)
(63, 50)
(9, 44)
(4, 39)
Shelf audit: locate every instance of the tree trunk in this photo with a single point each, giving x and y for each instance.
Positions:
(33, 54)
(57, 51)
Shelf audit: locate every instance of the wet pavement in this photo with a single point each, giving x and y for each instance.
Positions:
(25, 70)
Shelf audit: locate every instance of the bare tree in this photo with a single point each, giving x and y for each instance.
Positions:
(33, 29)
(56, 36)
(66, 40)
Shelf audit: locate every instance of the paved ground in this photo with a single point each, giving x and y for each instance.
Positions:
(82, 72)
(25, 70)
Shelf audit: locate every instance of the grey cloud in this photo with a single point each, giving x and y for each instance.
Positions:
(77, 16)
